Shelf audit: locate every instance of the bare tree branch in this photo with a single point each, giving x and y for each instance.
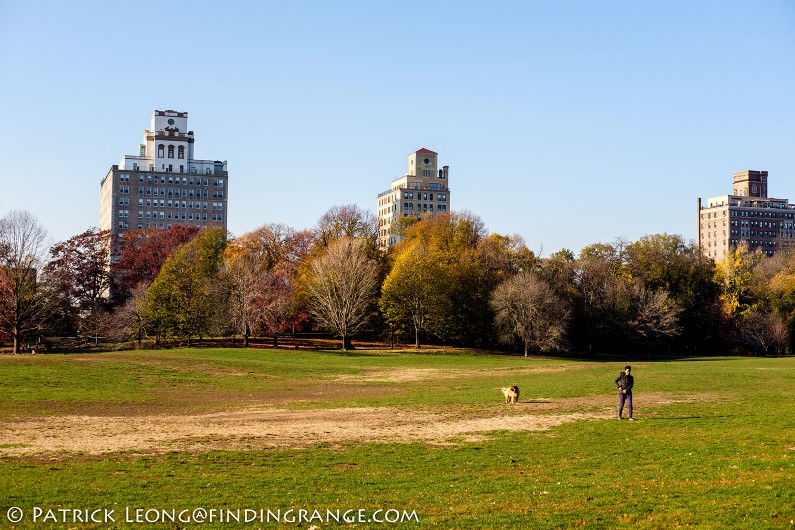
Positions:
(342, 286)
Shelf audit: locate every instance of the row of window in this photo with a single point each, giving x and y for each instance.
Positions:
(752, 243)
(162, 179)
(190, 205)
(172, 192)
(184, 216)
(123, 225)
(749, 213)
(207, 170)
(753, 213)
(161, 150)
(745, 233)
(409, 206)
(760, 224)
(409, 195)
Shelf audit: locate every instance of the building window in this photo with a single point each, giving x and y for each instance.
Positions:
(171, 151)
(161, 151)
(181, 152)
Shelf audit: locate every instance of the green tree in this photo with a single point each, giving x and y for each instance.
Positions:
(666, 263)
(412, 293)
(185, 298)
(453, 242)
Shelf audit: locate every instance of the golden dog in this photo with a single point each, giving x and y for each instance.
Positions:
(511, 394)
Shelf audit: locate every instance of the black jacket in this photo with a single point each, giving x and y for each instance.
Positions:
(625, 382)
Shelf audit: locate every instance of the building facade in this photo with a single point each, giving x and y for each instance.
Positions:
(164, 184)
(423, 190)
(748, 214)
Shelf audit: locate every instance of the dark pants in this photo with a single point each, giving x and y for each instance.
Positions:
(624, 398)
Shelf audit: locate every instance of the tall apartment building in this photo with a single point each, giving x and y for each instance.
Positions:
(163, 184)
(422, 190)
(748, 214)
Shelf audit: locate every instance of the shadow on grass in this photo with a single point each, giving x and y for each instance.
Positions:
(352, 353)
(680, 418)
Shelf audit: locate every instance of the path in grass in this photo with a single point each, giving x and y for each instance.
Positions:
(264, 427)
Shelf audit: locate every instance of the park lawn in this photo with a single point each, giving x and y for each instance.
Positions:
(725, 460)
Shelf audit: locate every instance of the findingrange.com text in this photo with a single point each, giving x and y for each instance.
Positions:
(131, 515)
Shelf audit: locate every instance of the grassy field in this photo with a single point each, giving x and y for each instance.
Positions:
(713, 445)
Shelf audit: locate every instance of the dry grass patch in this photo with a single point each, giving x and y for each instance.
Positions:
(268, 427)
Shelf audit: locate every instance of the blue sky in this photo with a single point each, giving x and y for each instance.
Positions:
(568, 122)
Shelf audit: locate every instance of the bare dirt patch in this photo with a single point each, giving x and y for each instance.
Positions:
(410, 375)
(267, 427)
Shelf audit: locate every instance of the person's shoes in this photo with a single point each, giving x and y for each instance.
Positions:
(620, 418)
(631, 419)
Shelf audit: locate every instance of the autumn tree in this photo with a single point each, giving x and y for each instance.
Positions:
(601, 281)
(347, 221)
(653, 316)
(504, 256)
(528, 311)
(259, 267)
(79, 272)
(413, 292)
(559, 272)
(143, 252)
(25, 303)
(765, 331)
(735, 275)
(133, 316)
(342, 285)
(185, 298)
(782, 293)
(452, 241)
(622, 296)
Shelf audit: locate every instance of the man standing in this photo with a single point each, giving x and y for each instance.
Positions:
(624, 383)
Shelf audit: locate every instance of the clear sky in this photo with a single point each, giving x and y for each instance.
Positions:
(567, 122)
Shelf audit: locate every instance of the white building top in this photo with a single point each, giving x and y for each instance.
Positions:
(168, 146)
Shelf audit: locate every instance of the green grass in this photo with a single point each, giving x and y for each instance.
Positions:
(723, 460)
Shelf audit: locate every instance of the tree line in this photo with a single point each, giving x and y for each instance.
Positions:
(448, 281)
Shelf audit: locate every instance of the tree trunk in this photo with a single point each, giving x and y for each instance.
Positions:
(275, 339)
(525, 349)
(344, 342)
(416, 338)
(15, 335)
(245, 336)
